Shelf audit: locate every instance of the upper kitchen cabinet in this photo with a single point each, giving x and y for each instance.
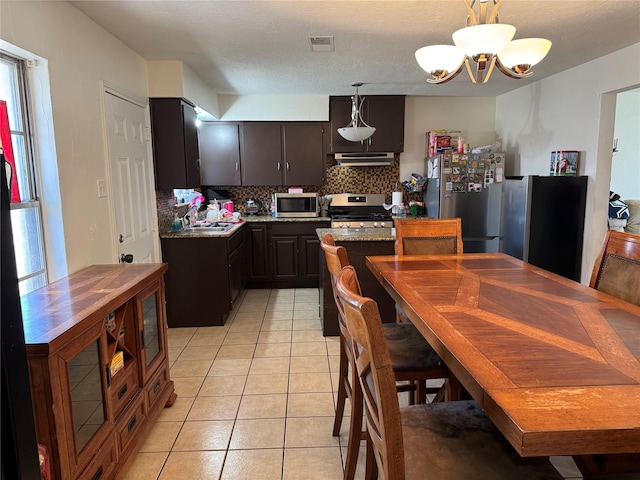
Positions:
(219, 153)
(384, 112)
(175, 143)
(282, 153)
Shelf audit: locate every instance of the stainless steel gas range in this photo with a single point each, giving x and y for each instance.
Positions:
(359, 210)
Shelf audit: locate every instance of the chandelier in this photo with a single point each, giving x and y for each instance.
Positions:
(357, 130)
(486, 43)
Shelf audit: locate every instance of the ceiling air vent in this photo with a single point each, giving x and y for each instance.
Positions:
(321, 44)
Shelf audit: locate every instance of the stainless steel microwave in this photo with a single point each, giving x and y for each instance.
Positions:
(296, 204)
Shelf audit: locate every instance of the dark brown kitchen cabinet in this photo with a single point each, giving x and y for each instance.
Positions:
(282, 153)
(284, 254)
(371, 287)
(384, 112)
(206, 275)
(219, 153)
(97, 351)
(175, 143)
(258, 252)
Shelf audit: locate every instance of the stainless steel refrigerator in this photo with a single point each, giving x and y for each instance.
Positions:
(544, 221)
(468, 186)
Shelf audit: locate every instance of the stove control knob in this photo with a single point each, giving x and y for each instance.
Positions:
(348, 225)
(375, 224)
(340, 225)
(361, 224)
(382, 224)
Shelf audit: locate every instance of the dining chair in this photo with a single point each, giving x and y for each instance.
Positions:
(448, 440)
(617, 268)
(426, 236)
(411, 356)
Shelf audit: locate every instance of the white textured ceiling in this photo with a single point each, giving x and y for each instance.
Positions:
(260, 46)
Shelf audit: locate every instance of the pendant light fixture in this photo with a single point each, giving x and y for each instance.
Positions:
(483, 42)
(357, 130)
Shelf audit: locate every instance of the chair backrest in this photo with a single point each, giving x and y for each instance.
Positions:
(375, 375)
(336, 258)
(617, 268)
(427, 236)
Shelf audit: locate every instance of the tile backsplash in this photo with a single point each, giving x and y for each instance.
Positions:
(339, 180)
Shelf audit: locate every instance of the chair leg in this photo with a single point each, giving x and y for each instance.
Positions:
(371, 467)
(342, 389)
(421, 391)
(355, 432)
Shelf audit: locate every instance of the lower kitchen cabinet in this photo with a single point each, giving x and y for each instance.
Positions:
(284, 254)
(371, 287)
(205, 277)
(97, 353)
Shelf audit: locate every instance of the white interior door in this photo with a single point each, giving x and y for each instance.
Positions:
(131, 179)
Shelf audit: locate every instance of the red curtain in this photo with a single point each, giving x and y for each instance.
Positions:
(6, 149)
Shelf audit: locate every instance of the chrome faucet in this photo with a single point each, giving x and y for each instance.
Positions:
(186, 219)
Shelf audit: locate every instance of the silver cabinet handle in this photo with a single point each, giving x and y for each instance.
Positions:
(278, 166)
(287, 166)
(237, 166)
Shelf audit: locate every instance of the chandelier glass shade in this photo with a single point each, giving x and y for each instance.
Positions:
(357, 130)
(483, 43)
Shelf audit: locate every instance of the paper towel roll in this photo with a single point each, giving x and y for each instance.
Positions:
(396, 199)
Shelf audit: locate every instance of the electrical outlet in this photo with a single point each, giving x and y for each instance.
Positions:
(102, 188)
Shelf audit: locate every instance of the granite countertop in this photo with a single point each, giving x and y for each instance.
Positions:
(269, 218)
(358, 234)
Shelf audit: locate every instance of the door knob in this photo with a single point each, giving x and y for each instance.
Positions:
(126, 258)
(121, 238)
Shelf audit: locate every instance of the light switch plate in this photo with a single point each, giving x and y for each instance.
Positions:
(102, 188)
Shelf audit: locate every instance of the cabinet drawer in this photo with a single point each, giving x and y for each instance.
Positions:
(297, 228)
(156, 386)
(131, 422)
(236, 239)
(103, 463)
(123, 387)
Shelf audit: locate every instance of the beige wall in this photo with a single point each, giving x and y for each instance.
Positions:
(473, 116)
(80, 54)
(573, 110)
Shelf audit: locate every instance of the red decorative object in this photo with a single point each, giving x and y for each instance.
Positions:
(6, 149)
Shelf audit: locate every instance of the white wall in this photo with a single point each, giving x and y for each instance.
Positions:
(573, 110)
(274, 107)
(625, 165)
(79, 54)
(473, 116)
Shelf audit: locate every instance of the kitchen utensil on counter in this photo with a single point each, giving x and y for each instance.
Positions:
(228, 206)
(253, 207)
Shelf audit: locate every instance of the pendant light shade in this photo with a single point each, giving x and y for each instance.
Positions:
(526, 51)
(482, 44)
(357, 130)
(483, 38)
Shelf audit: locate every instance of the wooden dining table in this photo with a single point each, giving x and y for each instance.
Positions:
(554, 364)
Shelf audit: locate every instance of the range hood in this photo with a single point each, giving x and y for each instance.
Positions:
(364, 159)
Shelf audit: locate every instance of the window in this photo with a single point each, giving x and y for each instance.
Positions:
(26, 217)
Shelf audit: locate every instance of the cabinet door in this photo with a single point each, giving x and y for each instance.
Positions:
(340, 116)
(386, 113)
(83, 400)
(191, 150)
(152, 323)
(175, 143)
(285, 257)
(310, 257)
(304, 158)
(258, 254)
(219, 154)
(261, 154)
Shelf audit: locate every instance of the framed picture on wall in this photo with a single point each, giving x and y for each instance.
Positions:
(564, 162)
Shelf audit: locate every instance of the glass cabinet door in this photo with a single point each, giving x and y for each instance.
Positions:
(85, 384)
(151, 317)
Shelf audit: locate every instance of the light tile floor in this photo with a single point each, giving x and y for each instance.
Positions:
(255, 398)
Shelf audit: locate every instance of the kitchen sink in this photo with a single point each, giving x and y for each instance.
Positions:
(207, 229)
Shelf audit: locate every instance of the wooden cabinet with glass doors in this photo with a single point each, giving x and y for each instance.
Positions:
(97, 350)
